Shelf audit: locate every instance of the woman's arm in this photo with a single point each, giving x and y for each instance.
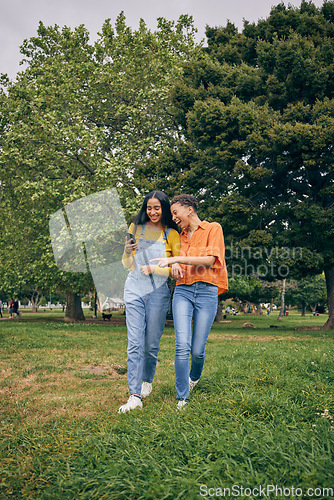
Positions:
(206, 261)
(172, 248)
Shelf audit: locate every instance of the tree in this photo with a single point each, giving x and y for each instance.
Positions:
(310, 291)
(75, 122)
(248, 290)
(257, 112)
(282, 309)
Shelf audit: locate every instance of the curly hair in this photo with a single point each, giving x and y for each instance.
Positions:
(186, 200)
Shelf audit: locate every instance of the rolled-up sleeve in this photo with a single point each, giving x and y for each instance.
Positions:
(215, 245)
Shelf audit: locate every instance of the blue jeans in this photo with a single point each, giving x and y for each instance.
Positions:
(145, 321)
(197, 302)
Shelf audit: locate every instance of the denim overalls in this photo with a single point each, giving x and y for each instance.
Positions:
(147, 302)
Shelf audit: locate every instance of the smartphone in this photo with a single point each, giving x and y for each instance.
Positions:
(131, 236)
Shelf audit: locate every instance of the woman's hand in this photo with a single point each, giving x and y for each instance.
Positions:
(163, 261)
(130, 246)
(147, 269)
(177, 271)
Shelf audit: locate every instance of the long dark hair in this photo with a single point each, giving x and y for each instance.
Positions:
(166, 218)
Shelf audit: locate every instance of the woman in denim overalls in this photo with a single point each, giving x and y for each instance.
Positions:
(147, 292)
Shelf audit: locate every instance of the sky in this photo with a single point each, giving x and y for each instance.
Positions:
(19, 18)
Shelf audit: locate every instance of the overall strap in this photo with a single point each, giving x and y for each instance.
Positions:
(142, 232)
(167, 231)
(143, 229)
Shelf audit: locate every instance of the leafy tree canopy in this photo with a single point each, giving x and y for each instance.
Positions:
(76, 121)
(257, 113)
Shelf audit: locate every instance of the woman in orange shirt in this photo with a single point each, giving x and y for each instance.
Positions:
(201, 275)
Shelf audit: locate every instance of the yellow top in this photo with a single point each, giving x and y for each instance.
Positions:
(172, 247)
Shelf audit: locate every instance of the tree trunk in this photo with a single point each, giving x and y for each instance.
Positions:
(258, 309)
(99, 305)
(35, 298)
(329, 275)
(219, 315)
(74, 310)
(280, 316)
(244, 306)
(303, 309)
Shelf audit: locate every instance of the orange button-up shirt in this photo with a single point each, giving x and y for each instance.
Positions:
(206, 240)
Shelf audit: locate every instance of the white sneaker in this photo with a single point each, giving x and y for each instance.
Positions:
(133, 402)
(182, 404)
(192, 384)
(146, 389)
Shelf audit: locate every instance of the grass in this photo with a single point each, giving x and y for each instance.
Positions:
(256, 418)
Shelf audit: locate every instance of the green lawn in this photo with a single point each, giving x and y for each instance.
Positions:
(259, 416)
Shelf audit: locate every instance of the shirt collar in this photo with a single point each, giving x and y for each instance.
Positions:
(203, 224)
